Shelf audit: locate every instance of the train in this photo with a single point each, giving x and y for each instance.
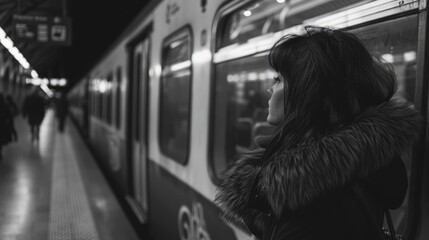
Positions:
(183, 90)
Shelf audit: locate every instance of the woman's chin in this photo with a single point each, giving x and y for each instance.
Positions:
(271, 121)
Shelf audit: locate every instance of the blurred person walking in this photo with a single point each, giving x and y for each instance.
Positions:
(12, 105)
(34, 108)
(6, 124)
(14, 112)
(61, 108)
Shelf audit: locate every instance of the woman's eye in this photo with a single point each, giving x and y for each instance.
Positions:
(276, 79)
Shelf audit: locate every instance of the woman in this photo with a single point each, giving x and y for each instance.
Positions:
(338, 125)
(34, 108)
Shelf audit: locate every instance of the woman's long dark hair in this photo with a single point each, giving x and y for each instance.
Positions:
(330, 79)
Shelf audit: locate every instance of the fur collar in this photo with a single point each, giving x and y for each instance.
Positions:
(296, 177)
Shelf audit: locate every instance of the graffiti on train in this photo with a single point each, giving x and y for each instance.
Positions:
(172, 9)
(191, 223)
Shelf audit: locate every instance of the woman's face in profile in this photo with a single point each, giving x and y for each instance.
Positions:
(276, 102)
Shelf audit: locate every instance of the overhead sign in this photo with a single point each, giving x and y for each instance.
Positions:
(42, 29)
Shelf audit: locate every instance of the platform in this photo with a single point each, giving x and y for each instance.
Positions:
(52, 189)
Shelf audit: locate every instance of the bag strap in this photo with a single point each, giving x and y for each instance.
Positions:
(362, 196)
(390, 224)
(359, 192)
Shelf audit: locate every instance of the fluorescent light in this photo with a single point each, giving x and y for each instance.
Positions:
(175, 44)
(53, 81)
(34, 74)
(2, 33)
(14, 51)
(36, 81)
(388, 57)
(7, 43)
(62, 82)
(410, 56)
(47, 90)
(252, 76)
(102, 86)
(25, 64)
(18, 56)
(180, 65)
(201, 56)
(45, 81)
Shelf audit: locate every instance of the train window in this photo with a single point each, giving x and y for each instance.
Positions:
(118, 97)
(175, 96)
(241, 106)
(269, 16)
(396, 42)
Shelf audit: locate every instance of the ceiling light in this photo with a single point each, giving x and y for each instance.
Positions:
(34, 74)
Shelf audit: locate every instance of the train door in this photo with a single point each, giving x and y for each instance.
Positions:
(137, 135)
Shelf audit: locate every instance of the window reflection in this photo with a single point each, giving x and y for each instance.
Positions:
(241, 106)
(175, 98)
(396, 42)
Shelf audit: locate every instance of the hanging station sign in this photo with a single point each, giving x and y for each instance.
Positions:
(42, 29)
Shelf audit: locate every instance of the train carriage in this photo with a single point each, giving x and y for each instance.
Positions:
(183, 91)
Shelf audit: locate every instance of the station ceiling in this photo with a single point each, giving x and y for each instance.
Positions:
(95, 24)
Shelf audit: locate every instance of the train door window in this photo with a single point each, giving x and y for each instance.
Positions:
(175, 99)
(136, 95)
(118, 97)
(396, 42)
(241, 106)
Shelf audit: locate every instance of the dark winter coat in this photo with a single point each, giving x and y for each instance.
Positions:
(305, 192)
(6, 124)
(62, 108)
(34, 108)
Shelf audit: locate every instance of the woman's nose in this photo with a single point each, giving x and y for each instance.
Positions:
(270, 90)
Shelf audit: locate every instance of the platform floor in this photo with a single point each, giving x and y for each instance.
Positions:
(52, 189)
